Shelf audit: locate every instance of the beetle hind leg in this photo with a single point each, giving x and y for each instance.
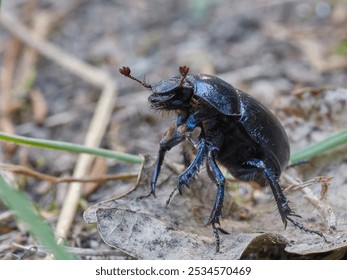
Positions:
(282, 202)
(305, 229)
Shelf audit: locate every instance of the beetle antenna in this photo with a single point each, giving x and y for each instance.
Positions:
(127, 73)
(184, 72)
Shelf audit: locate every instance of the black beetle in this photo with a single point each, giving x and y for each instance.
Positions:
(236, 131)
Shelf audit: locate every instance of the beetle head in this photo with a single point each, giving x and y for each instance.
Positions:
(170, 94)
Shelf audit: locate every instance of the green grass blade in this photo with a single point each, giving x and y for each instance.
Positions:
(24, 210)
(69, 147)
(320, 147)
(305, 154)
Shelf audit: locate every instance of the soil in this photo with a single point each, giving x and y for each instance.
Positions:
(291, 55)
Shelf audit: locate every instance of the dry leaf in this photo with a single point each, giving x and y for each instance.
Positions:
(147, 229)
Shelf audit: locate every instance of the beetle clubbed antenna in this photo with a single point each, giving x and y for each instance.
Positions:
(184, 72)
(127, 73)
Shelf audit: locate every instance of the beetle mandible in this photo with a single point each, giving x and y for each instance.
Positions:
(237, 131)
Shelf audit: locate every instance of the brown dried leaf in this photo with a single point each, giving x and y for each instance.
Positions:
(143, 236)
(146, 229)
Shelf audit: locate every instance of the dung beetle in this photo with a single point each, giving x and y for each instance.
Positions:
(236, 130)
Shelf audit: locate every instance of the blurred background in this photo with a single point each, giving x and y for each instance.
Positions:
(291, 55)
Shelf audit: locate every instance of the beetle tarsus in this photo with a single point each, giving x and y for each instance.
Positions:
(153, 187)
(305, 229)
(286, 214)
(146, 195)
(170, 196)
(216, 236)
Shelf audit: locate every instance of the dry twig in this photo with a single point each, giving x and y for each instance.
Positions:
(321, 204)
(23, 170)
(100, 118)
(81, 69)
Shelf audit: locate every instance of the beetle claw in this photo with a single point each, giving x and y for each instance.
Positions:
(153, 188)
(181, 184)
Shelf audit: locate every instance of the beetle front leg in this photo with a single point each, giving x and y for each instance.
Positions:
(170, 139)
(183, 179)
(182, 118)
(196, 119)
(193, 121)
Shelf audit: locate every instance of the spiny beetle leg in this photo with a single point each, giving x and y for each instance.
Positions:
(305, 229)
(216, 214)
(170, 139)
(281, 200)
(217, 176)
(183, 179)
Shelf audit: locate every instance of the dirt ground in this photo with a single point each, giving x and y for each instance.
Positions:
(291, 55)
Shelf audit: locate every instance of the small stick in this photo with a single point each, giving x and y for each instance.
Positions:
(23, 170)
(89, 73)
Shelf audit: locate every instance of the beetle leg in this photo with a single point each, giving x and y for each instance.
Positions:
(192, 121)
(281, 200)
(196, 118)
(182, 118)
(217, 176)
(183, 179)
(187, 155)
(170, 139)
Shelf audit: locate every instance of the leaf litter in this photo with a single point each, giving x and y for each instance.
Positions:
(147, 228)
(268, 49)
